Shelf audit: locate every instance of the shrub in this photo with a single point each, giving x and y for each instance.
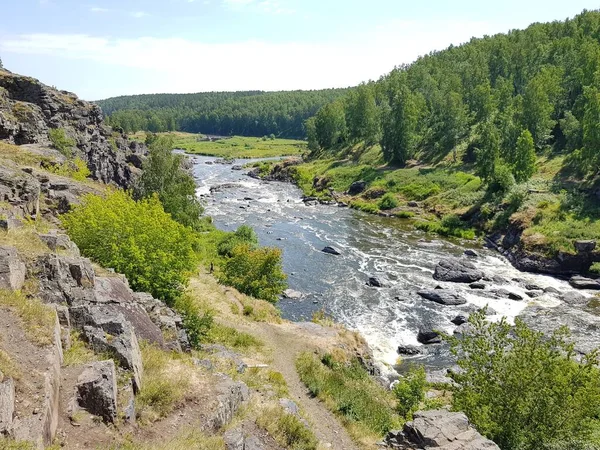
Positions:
(502, 179)
(165, 176)
(244, 235)
(76, 169)
(410, 391)
(138, 239)
(370, 208)
(197, 323)
(523, 389)
(287, 429)
(256, 272)
(388, 201)
(61, 142)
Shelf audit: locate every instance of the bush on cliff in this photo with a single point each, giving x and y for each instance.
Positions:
(138, 239)
(523, 389)
(61, 141)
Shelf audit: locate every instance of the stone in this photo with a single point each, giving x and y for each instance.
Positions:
(56, 241)
(357, 187)
(293, 295)
(97, 390)
(574, 298)
(230, 396)
(439, 429)
(331, 250)
(443, 297)
(12, 269)
(65, 279)
(374, 282)
(508, 294)
(7, 405)
(457, 271)
(551, 290)
(463, 329)
(459, 320)
(234, 439)
(427, 335)
(9, 224)
(534, 294)
(471, 253)
(408, 350)
(579, 282)
(477, 285)
(413, 204)
(585, 246)
(533, 287)
(289, 406)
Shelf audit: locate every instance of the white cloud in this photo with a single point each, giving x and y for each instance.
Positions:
(265, 6)
(249, 65)
(138, 14)
(96, 9)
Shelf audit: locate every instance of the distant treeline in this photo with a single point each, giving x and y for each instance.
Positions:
(253, 113)
(495, 101)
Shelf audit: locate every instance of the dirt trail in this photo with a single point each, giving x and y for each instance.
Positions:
(288, 340)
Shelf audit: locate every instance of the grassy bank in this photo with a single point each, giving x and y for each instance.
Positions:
(447, 198)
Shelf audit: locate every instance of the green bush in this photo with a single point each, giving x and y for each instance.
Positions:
(197, 323)
(61, 142)
(244, 235)
(370, 208)
(388, 201)
(256, 272)
(138, 239)
(523, 389)
(502, 179)
(349, 390)
(410, 391)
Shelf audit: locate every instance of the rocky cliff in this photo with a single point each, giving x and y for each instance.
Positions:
(29, 109)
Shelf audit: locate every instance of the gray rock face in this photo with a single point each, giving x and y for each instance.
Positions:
(7, 405)
(439, 429)
(443, 297)
(585, 246)
(579, 282)
(573, 298)
(12, 269)
(234, 439)
(97, 390)
(107, 330)
(42, 108)
(471, 253)
(20, 190)
(65, 279)
(427, 335)
(508, 294)
(56, 241)
(457, 271)
(230, 396)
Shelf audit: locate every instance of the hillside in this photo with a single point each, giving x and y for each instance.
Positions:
(499, 136)
(253, 113)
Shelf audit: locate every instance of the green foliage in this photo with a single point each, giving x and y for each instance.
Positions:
(525, 158)
(502, 179)
(362, 114)
(388, 201)
(591, 129)
(165, 176)
(61, 142)
(410, 391)
(287, 429)
(244, 235)
(488, 151)
(255, 272)
(330, 125)
(76, 169)
(349, 391)
(137, 239)
(196, 322)
(522, 389)
(252, 113)
(450, 225)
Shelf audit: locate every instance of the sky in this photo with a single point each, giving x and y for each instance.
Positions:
(105, 48)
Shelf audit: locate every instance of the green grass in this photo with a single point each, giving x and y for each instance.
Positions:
(38, 319)
(78, 353)
(287, 429)
(346, 388)
(238, 146)
(186, 439)
(230, 337)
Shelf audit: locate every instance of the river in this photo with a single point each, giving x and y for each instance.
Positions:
(402, 258)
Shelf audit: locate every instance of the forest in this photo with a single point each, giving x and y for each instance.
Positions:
(252, 113)
(497, 101)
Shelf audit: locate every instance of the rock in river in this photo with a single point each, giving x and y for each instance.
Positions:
(331, 250)
(457, 271)
(443, 297)
(374, 282)
(579, 282)
(427, 335)
(408, 350)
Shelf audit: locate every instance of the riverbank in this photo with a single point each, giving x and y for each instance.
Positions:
(540, 227)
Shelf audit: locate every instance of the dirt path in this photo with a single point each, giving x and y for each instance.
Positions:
(287, 341)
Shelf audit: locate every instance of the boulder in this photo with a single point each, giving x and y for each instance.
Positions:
(374, 282)
(97, 390)
(56, 241)
(8, 224)
(439, 429)
(331, 250)
(408, 350)
(234, 439)
(585, 246)
(508, 294)
(427, 335)
(477, 285)
(471, 253)
(573, 298)
(459, 320)
(65, 279)
(12, 269)
(579, 282)
(7, 405)
(457, 271)
(463, 329)
(291, 294)
(443, 297)
(551, 290)
(533, 287)
(230, 396)
(413, 204)
(357, 187)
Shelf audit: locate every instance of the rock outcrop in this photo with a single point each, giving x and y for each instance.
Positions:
(12, 269)
(29, 110)
(457, 271)
(438, 429)
(97, 390)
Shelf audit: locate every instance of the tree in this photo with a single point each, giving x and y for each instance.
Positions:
(138, 239)
(164, 175)
(591, 128)
(362, 115)
(523, 166)
(330, 124)
(488, 151)
(399, 120)
(538, 105)
(523, 389)
(1, 64)
(311, 135)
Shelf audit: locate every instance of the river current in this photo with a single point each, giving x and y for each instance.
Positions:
(402, 258)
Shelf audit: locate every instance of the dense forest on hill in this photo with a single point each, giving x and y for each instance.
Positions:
(496, 101)
(252, 113)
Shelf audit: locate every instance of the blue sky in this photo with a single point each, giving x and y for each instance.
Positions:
(103, 48)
